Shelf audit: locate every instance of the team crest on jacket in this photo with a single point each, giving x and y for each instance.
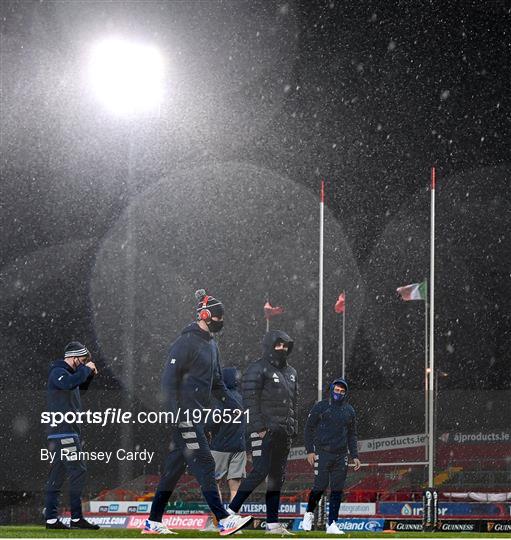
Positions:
(293, 378)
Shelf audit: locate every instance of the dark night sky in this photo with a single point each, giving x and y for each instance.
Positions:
(264, 99)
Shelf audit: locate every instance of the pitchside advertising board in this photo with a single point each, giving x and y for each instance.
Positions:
(403, 525)
(259, 524)
(120, 507)
(453, 526)
(137, 507)
(383, 509)
(351, 525)
(298, 509)
(445, 509)
(372, 445)
(190, 521)
(199, 522)
(106, 522)
(348, 509)
(294, 509)
(503, 436)
(260, 509)
(497, 527)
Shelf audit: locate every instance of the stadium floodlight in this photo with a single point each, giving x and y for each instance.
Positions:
(127, 77)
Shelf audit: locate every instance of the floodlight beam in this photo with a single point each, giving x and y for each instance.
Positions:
(127, 77)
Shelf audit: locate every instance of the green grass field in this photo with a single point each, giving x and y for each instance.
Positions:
(33, 531)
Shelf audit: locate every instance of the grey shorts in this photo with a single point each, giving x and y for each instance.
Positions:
(232, 464)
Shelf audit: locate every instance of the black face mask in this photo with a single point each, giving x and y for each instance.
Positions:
(215, 326)
(279, 357)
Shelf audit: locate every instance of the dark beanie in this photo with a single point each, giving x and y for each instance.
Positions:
(75, 348)
(210, 303)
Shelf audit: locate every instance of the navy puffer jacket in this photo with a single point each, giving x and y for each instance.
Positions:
(270, 389)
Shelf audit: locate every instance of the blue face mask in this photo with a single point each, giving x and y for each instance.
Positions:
(337, 398)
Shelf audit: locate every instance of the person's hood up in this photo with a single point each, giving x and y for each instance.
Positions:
(270, 340)
(338, 382)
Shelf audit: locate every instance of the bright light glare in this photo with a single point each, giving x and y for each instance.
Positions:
(127, 77)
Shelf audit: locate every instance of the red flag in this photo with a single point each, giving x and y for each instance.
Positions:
(340, 305)
(270, 311)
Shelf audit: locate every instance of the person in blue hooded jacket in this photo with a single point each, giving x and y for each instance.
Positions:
(228, 438)
(67, 377)
(330, 432)
(191, 377)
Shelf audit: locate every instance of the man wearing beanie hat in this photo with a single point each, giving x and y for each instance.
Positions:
(66, 378)
(191, 375)
(330, 432)
(270, 389)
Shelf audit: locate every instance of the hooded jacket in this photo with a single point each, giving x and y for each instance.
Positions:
(332, 426)
(64, 385)
(192, 375)
(228, 436)
(270, 389)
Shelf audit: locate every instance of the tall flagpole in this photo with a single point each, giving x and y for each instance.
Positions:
(320, 314)
(431, 431)
(344, 337)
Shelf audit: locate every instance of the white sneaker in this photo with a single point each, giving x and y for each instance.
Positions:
(155, 527)
(280, 530)
(308, 520)
(333, 528)
(232, 523)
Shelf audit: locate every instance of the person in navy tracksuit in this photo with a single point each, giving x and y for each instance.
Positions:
(330, 432)
(190, 377)
(66, 379)
(228, 439)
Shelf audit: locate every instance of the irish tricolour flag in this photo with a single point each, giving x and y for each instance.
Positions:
(415, 291)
